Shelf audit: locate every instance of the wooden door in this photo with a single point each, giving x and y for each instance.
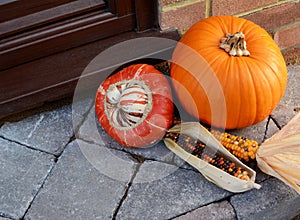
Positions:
(33, 29)
(45, 45)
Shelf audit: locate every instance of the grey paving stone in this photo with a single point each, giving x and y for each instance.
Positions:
(215, 211)
(274, 194)
(80, 107)
(282, 114)
(289, 210)
(158, 152)
(48, 131)
(292, 93)
(76, 189)
(92, 131)
(260, 176)
(272, 128)
(177, 161)
(256, 132)
(3, 218)
(22, 172)
(179, 192)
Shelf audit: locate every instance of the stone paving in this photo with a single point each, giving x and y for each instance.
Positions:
(60, 164)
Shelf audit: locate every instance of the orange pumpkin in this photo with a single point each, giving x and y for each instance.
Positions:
(231, 69)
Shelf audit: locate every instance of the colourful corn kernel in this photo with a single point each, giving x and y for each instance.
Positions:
(241, 147)
(198, 149)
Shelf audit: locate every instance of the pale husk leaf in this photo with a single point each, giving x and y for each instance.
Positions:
(210, 172)
(279, 156)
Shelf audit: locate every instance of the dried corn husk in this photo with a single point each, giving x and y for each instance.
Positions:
(279, 156)
(212, 173)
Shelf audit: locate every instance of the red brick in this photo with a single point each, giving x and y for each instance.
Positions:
(182, 18)
(275, 17)
(169, 2)
(288, 37)
(232, 7)
(292, 56)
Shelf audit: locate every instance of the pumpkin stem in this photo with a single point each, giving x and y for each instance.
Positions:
(235, 44)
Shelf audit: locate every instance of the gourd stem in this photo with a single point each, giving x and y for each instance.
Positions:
(127, 103)
(235, 44)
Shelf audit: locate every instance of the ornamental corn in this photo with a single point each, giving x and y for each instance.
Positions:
(197, 148)
(241, 147)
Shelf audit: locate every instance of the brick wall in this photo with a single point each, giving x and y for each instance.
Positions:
(281, 18)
